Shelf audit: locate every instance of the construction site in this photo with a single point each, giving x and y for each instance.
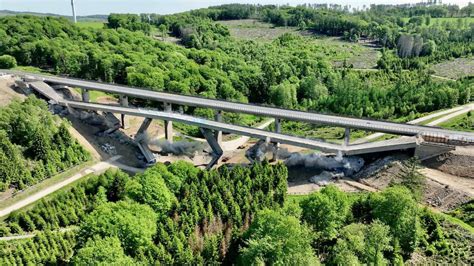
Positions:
(449, 177)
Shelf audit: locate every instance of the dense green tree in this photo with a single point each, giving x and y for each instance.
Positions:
(284, 95)
(102, 251)
(326, 211)
(311, 88)
(277, 239)
(397, 208)
(129, 21)
(134, 224)
(27, 153)
(151, 189)
(12, 164)
(362, 244)
(7, 61)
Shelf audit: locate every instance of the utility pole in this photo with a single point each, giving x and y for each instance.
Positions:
(73, 11)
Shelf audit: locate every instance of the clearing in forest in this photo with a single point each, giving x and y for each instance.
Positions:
(251, 29)
(91, 24)
(359, 55)
(455, 69)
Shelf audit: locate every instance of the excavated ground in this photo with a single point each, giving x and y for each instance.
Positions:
(7, 93)
(458, 163)
(441, 191)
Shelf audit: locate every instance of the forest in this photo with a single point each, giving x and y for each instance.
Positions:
(174, 214)
(290, 72)
(35, 144)
(178, 214)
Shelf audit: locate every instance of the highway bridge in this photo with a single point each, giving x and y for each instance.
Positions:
(417, 134)
(259, 110)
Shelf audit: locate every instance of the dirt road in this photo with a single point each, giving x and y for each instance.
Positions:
(31, 235)
(7, 94)
(463, 184)
(95, 169)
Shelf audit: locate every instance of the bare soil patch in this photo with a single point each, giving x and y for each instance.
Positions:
(459, 183)
(443, 197)
(7, 90)
(455, 69)
(251, 29)
(441, 193)
(457, 163)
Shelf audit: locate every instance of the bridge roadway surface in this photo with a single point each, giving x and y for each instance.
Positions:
(399, 144)
(309, 117)
(388, 145)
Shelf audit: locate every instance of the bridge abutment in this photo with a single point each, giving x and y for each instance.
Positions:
(426, 150)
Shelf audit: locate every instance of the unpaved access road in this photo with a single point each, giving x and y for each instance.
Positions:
(31, 235)
(95, 169)
(463, 184)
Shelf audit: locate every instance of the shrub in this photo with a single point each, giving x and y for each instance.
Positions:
(7, 61)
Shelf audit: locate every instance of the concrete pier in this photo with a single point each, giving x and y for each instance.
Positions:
(142, 145)
(218, 133)
(217, 151)
(145, 125)
(85, 96)
(123, 118)
(347, 137)
(277, 144)
(168, 124)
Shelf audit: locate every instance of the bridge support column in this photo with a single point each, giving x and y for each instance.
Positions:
(277, 144)
(168, 124)
(145, 125)
(142, 144)
(347, 136)
(217, 151)
(218, 133)
(123, 118)
(85, 95)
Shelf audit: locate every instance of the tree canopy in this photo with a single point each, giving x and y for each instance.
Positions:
(27, 154)
(276, 239)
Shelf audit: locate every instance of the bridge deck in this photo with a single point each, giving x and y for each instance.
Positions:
(45, 90)
(388, 145)
(399, 144)
(315, 118)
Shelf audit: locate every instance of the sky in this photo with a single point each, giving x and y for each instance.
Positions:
(91, 7)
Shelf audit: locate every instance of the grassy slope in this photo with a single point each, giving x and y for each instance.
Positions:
(44, 184)
(94, 95)
(462, 122)
(455, 68)
(465, 20)
(91, 24)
